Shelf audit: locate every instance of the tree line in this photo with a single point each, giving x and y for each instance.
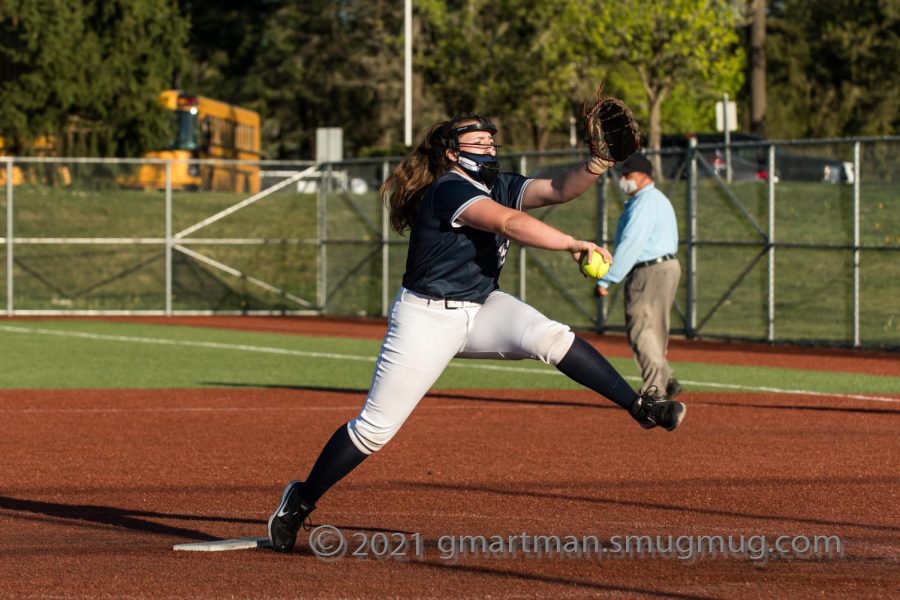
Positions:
(89, 73)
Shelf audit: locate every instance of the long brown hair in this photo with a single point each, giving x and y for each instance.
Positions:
(402, 191)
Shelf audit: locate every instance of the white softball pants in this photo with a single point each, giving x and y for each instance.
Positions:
(423, 335)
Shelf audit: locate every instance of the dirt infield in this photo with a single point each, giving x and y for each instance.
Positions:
(98, 485)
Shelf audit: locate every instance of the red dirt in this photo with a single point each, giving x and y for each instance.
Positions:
(100, 484)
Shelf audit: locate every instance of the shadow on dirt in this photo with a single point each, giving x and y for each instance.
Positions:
(135, 520)
(464, 396)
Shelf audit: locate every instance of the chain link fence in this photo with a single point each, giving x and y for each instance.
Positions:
(779, 241)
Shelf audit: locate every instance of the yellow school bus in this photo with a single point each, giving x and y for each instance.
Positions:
(204, 128)
(16, 170)
(36, 173)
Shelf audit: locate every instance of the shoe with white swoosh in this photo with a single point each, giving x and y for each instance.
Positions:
(288, 517)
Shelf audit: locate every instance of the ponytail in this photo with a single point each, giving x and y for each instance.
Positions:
(402, 191)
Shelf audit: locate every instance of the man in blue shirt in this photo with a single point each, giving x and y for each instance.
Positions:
(645, 258)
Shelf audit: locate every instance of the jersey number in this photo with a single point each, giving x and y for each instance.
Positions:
(501, 253)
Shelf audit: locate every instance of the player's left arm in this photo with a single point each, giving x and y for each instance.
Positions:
(562, 188)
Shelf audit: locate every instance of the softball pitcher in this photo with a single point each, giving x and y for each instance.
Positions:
(462, 213)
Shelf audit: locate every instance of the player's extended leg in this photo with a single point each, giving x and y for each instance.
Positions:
(507, 328)
(421, 339)
(586, 366)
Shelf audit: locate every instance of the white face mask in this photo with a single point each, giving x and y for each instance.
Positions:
(629, 186)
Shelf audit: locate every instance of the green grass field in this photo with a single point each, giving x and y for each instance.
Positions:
(96, 354)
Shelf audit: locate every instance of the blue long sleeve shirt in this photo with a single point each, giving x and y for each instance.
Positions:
(647, 229)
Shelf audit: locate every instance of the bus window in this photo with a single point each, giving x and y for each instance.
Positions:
(186, 130)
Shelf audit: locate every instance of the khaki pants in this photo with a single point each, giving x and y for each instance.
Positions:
(649, 295)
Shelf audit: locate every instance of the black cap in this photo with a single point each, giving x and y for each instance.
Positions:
(637, 162)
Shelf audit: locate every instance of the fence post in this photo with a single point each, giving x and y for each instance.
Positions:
(10, 309)
(523, 252)
(770, 309)
(725, 117)
(321, 292)
(169, 241)
(602, 231)
(856, 253)
(691, 284)
(385, 246)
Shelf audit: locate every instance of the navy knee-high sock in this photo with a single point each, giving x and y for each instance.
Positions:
(582, 363)
(339, 456)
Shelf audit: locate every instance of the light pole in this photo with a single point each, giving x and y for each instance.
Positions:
(407, 72)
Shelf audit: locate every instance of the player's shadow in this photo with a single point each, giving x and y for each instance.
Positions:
(464, 396)
(473, 397)
(649, 505)
(135, 520)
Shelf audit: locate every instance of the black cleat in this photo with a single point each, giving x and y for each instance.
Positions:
(651, 412)
(288, 517)
(673, 388)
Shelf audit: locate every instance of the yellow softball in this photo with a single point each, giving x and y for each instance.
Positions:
(596, 268)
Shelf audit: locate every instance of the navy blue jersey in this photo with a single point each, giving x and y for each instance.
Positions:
(447, 259)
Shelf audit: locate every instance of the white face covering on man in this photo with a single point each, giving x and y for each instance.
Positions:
(629, 186)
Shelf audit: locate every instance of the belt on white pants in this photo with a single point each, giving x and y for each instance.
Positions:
(432, 302)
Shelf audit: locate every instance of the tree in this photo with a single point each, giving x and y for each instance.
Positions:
(306, 65)
(758, 66)
(455, 52)
(512, 59)
(224, 40)
(43, 68)
(832, 68)
(690, 44)
(140, 45)
(96, 68)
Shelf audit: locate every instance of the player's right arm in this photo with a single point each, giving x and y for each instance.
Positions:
(515, 225)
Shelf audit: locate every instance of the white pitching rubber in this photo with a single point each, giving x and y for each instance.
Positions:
(221, 545)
